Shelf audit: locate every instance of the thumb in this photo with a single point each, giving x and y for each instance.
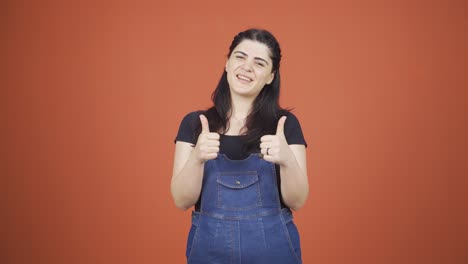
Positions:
(204, 124)
(280, 127)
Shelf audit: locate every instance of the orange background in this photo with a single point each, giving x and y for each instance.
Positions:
(93, 93)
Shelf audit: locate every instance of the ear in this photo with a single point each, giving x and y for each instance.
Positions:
(272, 76)
(225, 67)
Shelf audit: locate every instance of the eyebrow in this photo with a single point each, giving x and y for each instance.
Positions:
(256, 58)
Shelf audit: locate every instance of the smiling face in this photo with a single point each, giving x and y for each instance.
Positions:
(249, 68)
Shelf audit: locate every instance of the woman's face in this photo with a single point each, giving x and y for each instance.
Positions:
(249, 68)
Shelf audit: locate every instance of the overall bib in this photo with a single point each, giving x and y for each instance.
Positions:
(240, 218)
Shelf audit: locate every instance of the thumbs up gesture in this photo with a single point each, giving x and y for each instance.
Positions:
(275, 148)
(207, 146)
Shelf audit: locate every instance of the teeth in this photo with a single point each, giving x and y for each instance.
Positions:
(244, 78)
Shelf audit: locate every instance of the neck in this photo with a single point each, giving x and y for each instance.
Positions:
(240, 106)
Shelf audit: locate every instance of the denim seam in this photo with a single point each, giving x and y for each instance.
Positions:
(231, 243)
(260, 220)
(274, 211)
(194, 240)
(288, 236)
(239, 242)
(275, 183)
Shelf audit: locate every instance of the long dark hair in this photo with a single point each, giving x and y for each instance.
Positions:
(265, 111)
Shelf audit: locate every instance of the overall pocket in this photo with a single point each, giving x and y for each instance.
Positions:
(238, 191)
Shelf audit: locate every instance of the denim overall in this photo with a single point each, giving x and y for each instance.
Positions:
(240, 218)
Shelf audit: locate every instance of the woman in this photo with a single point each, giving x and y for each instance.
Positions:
(242, 163)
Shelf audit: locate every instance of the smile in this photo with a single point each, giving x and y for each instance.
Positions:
(243, 79)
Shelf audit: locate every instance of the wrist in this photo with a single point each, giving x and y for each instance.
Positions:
(196, 158)
(290, 158)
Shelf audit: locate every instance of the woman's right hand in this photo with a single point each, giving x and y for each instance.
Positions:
(207, 146)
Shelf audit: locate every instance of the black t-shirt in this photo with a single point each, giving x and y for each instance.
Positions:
(232, 146)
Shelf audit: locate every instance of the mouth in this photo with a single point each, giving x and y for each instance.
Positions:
(243, 78)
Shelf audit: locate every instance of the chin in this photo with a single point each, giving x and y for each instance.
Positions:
(245, 93)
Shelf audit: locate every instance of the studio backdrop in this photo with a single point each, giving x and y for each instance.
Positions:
(94, 91)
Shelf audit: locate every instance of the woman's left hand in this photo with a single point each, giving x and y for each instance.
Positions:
(275, 148)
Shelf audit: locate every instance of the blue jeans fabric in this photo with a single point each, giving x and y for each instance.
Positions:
(240, 218)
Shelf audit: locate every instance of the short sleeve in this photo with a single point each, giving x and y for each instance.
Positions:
(187, 128)
(293, 131)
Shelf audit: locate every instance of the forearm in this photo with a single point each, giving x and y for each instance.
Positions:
(294, 183)
(186, 184)
(189, 163)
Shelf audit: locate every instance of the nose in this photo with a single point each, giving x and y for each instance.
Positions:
(247, 65)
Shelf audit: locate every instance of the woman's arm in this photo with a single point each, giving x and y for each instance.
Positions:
(189, 162)
(294, 181)
(292, 162)
(187, 176)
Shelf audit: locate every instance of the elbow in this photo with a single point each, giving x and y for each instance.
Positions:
(181, 206)
(182, 202)
(297, 206)
(178, 199)
(298, 203)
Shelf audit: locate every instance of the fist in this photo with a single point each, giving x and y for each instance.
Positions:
(275, 148)
(207, 146)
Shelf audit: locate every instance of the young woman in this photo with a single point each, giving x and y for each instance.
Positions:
(242, 163)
